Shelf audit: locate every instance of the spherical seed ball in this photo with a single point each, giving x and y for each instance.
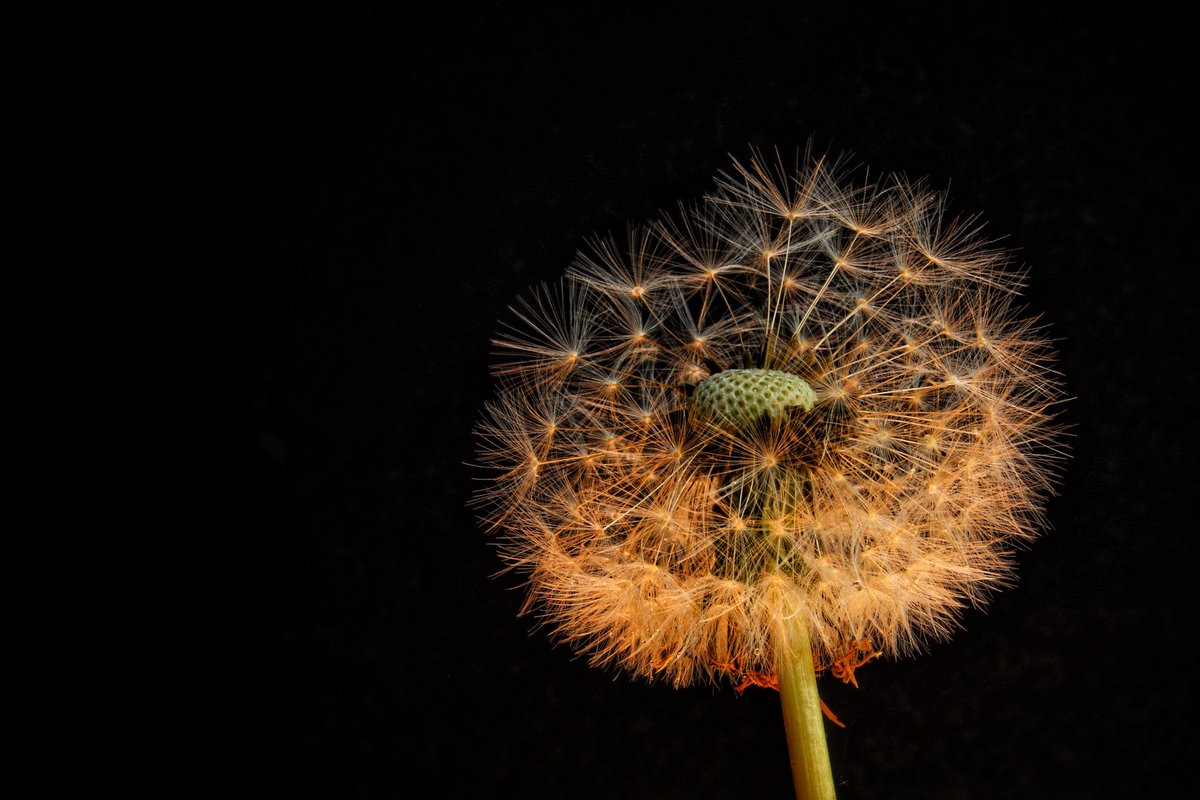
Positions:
(804, 397)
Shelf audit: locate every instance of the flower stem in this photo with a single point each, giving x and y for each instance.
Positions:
(802, 715)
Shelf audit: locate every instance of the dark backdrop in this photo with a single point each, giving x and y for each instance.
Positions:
(299, 603)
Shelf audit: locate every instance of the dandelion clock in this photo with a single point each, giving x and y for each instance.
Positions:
(798, 426)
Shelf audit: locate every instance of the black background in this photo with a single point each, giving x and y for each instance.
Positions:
(299, 603)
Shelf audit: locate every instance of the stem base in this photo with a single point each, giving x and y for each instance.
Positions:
(802, 716)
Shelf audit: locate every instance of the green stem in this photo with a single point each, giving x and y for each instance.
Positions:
(802, 715)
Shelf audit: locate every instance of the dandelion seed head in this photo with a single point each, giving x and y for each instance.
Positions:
(803, 396)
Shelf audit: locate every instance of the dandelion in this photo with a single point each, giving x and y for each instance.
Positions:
(799, 426)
